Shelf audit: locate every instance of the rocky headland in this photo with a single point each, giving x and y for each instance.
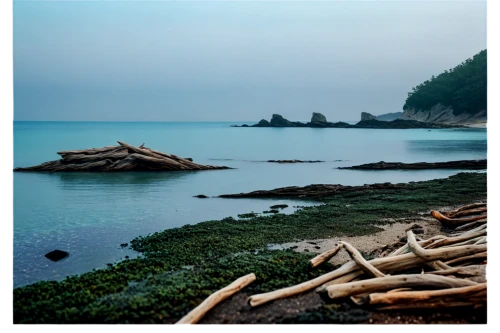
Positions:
(456, 96)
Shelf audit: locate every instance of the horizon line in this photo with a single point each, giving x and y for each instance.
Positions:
(145, 121)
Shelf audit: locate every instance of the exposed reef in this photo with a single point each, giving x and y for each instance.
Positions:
(464, 164)
(368, 121)
(312, 191)
(293, 161)
(119, 158)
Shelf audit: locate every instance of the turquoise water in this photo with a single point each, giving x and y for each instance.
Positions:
(90, 215)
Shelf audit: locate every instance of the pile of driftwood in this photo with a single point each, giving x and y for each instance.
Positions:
(123, 157)
(439, 272)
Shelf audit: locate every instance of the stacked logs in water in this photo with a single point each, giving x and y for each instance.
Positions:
(452, 273)
(438, 272)
(123, 157)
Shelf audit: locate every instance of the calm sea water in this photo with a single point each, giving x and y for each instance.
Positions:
(90, 215)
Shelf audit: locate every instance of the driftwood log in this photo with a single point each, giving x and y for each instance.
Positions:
(325, 256)
(123, 157)
(197, 314)
(455, 221)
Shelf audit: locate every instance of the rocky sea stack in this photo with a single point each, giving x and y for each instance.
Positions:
(367, 116)
(123, 157)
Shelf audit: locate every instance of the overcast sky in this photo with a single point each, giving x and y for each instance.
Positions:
(234, 61)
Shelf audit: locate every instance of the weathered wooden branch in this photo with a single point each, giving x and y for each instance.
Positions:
(354, 276)
(471, 224)
(453, 240)
(454, 222)
(480, 255)
(362, 263)
(392, 282)
(464, 271)
(466, 207)
(89, 151)
(468, 212)
(437, 304)
(197, 314)
(325, 256)
(460, 293)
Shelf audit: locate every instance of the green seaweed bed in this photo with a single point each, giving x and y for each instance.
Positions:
(182, 266)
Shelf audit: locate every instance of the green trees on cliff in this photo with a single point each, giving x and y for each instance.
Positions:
(463, 88)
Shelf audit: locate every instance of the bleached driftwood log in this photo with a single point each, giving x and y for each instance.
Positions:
(466, 207)
(123, 157)
(462, 293)
(325, 256)
(392, 282)
(197, 313)
(468, 212)
(362, 263)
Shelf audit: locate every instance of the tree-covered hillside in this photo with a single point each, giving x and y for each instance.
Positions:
(463, 88)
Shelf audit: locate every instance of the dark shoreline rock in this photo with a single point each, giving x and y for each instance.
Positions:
(294, 161)
(57, 255)
(312, 191)
(464, 164)
(201, 196)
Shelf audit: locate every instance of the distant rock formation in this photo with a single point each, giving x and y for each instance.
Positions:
(367, 116)
(464, 164)
(264, 123)
(318, 118)
(278, 121)
(390, 116)
(319, 121)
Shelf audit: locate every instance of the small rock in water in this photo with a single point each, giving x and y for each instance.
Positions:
(201, 196)
(124, 245)
(57, 255)
(278, 206)
(189, 159)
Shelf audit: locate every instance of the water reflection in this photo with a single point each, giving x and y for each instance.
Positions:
(70, 179)
(447, 147)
